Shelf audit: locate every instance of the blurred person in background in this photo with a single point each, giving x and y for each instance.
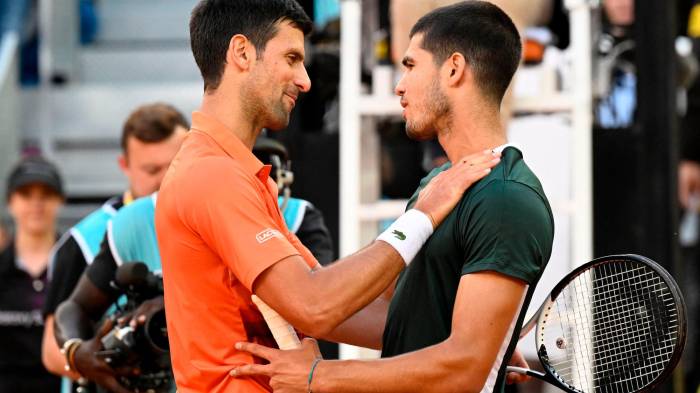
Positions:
(151, 136)
(616, 66)
(4, 237)
(689, 198)
(689, 170)
(34, 196)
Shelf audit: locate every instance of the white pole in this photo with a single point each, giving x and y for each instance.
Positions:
(349, 127)
(582, 119)
(350, 34)
(582, 148)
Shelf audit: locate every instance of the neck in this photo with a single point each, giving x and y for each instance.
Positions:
(221, 107)
(472, 131)
(33, 249)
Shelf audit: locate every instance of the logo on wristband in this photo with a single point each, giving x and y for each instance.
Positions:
(398, 234)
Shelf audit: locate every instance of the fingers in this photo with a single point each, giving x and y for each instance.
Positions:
(140, 320)
(257, 350)
(512, 378)
(113, 386)
(478, 158)
(251, 369)
(468, 175)
(105, 328)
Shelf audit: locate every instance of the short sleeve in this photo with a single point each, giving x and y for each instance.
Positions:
(233, 217)
(509, 230)
(67, 266)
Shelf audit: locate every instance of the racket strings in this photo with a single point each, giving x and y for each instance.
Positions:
(631, 341)
(612, 329)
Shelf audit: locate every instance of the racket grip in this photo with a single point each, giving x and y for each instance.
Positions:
(525, 371)
(284, 334)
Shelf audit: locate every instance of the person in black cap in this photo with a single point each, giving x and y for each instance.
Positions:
(34, 196)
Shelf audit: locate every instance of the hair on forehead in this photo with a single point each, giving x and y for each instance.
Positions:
(482, 33)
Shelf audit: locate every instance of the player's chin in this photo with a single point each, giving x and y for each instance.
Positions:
(418, 133)
(278, 123)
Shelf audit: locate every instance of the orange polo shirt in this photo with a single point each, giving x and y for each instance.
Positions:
(219, 227)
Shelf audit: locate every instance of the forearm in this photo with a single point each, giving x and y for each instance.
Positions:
(51, 355)
(71, 321)
(439, 368)
(319, 301)
(365, 328)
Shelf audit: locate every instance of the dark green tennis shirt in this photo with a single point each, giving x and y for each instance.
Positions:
(503, 223)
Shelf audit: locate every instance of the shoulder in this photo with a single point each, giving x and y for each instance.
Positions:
(66, 254)
(213, 174)
(501, 197)
(138, 211)
(66, 244)
(98, 218)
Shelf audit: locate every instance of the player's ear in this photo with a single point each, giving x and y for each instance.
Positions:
(241, 52)
(456, 70)
(123, 163)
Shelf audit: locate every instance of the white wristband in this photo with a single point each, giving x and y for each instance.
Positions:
(408, 234)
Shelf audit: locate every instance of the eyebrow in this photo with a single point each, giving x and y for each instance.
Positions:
(406, 60)
(296, 52)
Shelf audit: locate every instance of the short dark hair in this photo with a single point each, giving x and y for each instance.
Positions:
(482, 33)
(152, 123)
(214, 22)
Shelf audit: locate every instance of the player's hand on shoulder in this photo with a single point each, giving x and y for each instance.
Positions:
(441, 195)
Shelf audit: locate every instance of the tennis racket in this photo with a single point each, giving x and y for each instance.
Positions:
(615, 324)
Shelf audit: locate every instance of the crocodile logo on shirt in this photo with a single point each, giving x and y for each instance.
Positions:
(398, 234)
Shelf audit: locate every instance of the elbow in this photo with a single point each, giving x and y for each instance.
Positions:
(467, 382)
(462, 372)
(318, 320)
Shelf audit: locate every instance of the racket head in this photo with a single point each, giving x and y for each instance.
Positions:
(617, 323)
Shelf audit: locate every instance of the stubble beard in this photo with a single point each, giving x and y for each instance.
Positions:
(267, 111)
(437, 110)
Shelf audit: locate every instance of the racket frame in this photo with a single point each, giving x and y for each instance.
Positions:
(539, 320)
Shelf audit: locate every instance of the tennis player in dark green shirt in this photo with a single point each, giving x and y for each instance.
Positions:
(502, 225)
(451, 322)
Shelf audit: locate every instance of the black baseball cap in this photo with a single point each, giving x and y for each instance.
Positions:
(34, 170)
